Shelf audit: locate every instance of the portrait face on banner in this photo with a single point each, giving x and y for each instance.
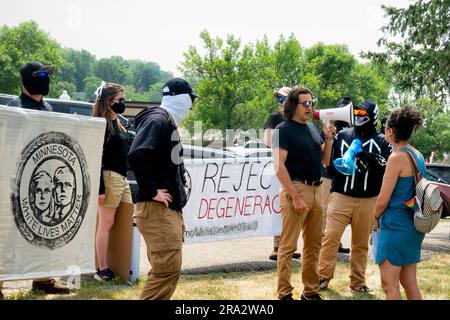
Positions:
(51, 190)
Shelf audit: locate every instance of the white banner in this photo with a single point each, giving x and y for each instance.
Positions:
(231, 199)
(48, 192)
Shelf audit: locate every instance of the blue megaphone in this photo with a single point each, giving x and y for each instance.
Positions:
(346, 164)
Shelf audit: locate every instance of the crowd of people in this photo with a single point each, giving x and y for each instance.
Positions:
(316, 200)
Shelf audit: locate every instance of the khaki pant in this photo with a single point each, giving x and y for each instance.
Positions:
(326, 187)
(276, 242)
(344, 210)
(162, 229)
(310, 224)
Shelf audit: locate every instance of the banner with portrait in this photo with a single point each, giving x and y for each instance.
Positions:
(230, 199)
(48, 192)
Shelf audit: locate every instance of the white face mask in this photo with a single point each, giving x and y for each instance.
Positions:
(178, 106)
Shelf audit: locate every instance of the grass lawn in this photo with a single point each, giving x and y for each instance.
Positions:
(433, 277)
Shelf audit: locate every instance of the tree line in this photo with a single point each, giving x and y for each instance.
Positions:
(77, 71)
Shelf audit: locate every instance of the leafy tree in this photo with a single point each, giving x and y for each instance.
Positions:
(22, 44)
(57, 88)
(420, 61)
(79, 65)
(154, 92)
(114, 69)
(131, 94)
(289, 61)
(90, 85)
(143, 74)
(332, 65)
(434, 135)
(236, 81)
(222, 74)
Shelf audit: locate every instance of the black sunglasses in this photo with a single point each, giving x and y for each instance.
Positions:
(307, 103)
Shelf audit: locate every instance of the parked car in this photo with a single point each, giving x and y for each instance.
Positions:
(442, 170)
(254, 144)
(197, 152)
(243, 152)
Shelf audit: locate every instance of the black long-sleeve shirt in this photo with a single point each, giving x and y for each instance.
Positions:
(115, 151)
(365, 182)
(155, 157)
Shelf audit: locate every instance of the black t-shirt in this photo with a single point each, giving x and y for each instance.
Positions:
(303, 143)
(274, 119)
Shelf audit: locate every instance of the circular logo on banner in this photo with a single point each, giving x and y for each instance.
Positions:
(188, 186)
(51, 190)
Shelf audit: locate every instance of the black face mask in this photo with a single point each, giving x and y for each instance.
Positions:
(119, 108)
(37, 85)
(366, 130)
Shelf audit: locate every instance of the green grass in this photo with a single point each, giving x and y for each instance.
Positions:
(433, 278)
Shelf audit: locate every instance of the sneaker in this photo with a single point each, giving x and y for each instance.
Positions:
(104, 275)
(343, 250)
(273, 256)
(296, 255)
(287, 297)
(316, 296)
(363, 289)
(50, 287)
(323, 284)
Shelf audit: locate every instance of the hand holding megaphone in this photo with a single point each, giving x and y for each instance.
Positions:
(346, 164)
(344, 113)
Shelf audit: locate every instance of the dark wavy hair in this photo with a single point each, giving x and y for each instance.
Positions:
(291, 102)
(404, 121)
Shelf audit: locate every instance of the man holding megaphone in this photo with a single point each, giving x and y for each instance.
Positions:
(353, 192)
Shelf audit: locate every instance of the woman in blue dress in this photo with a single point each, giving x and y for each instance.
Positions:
(399, 243)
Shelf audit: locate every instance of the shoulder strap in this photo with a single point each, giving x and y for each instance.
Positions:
(416, 172)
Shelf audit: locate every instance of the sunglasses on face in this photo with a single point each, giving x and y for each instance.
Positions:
(121, 100)
(359, 112)
(281, 99)
(307, 103)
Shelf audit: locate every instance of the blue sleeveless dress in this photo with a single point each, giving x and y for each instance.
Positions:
(398, 240)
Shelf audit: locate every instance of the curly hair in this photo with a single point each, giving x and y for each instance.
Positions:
(403, 122)
(291, 102)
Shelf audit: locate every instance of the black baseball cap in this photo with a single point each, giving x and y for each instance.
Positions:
(177, 86)
(33, 69)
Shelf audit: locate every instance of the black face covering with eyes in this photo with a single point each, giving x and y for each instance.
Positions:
(37, 85)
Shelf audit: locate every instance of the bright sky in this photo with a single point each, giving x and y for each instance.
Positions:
(162, 30)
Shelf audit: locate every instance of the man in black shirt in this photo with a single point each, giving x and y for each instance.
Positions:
(298, 155)
(35, 85)
(353, 197)
(155, 158)
(272, 121)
